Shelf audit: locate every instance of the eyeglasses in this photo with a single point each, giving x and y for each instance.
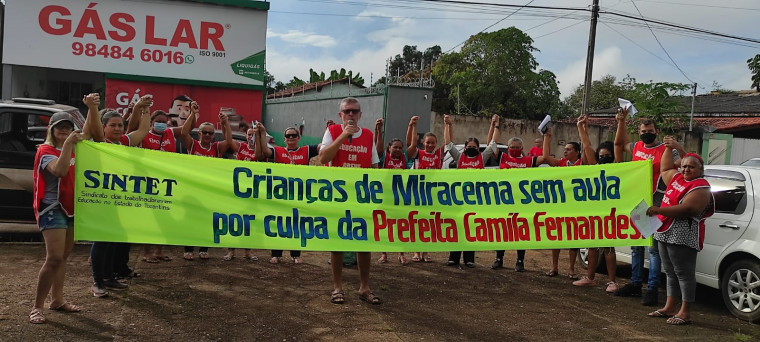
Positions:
(351, 111)
(515, 147)
(207, 133)
(291, 136)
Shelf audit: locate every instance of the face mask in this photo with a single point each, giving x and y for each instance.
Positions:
(471, 152)
(515, 153)
(648, 138)
(159, 127)
(606, 159)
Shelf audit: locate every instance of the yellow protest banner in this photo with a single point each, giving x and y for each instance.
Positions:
(142, 196)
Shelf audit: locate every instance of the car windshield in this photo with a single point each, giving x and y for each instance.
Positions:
(752, 162)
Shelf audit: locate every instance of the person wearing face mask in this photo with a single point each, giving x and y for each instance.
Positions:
(515, 159)
(604, 154)
(160, 137)
(571, 157)
(471, 158)
(647, 148)
(430, 157)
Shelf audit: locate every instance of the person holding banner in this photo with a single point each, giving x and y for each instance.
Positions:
(515, 159)
(393, 158)
(472, 158)
(688, 201)
(647, 148)
(363, 156)
(54, 205)
(571, 157)
(431, 157)
(291, 154)
(109, 257)
(160, 137)
(604, 154)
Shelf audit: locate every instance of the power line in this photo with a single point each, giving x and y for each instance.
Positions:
(566, 27)
(659, 43)
(492, 25)
(698, 5)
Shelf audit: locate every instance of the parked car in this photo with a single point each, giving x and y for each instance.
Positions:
(730, 259)
(493, 163)
(23, 126)
(751, 162)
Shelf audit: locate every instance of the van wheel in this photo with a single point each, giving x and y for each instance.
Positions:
(740, 286)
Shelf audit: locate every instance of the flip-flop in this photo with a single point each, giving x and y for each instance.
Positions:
(551, 274)
(427, 259)
(66, 307)
(36, 317)
(658, 314)
(573, 276)
(188, 256)
(337, 298)
(152, 260)
(416, 259)
(370, 298)
(675, 320)
(165, 258)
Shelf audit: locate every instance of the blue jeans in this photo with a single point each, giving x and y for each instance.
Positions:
(637, 266)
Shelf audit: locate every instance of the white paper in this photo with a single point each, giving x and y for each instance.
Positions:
(625, 104)
(545, 124)
(646, 225)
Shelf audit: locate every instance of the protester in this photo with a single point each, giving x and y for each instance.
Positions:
(103, 254)
(349, 134)
(291, 154)
(688, 201)
(538, 149)
(604, 154)
(515, 159)
(53, 205)
(393, 158)
(470, 159)
(160, 137)
(571, 157)
(205, 146)
(429, 158)
(647, 148)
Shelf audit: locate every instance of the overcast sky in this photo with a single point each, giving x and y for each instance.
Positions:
(361, 35)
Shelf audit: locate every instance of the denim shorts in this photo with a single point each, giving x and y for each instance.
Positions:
(55, 219)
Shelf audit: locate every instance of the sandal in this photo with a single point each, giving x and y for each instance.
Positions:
(66, 307)
(427, 259)
(658, 314)
(164, 258)
(150, 260)
(251, 257)
(551, 273)
(402, 260)
(337, 298)
(203, 255)
(573, 276)
(188, 256)
(228, 257)
(274, 260)
(36, 317)
(370, 297)
(675, 320)
(297, 260)
(416, 258)
(383, 259)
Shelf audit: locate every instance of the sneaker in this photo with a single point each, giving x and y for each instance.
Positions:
(498, 263)
(451, 263)
(585, 281)
(519, 266)
(650, 298)
(629, 290)
(98, 291)
(612, 287)
(470, 264)
(115, 284)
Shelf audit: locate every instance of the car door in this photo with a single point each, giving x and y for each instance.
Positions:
(733, 211)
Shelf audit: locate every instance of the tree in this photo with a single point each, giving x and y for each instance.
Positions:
(657, 101)
(496, 73)
(269, 82)
(604, 94)
(754, 66)
(335, 75)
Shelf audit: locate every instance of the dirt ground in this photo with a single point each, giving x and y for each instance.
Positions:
(216, 300)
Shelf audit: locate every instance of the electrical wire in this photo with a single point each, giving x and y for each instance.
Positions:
(492, 25)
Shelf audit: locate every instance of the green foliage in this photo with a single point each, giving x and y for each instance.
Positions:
(269, 82)
(335, 75)
(754, 66)
(604, 94)
(656, 101)
(496, 73)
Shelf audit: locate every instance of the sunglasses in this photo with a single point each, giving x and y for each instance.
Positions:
(291, 136)
(207, 133)
(351, 111)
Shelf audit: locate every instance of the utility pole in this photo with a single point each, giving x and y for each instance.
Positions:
(693, 96)
(590, 57)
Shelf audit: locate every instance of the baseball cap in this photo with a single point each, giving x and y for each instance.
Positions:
(61, 116)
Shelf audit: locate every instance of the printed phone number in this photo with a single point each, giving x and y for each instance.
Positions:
(117, 52)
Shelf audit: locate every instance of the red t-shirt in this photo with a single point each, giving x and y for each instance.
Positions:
(426, 160)
(160, 142)
(245, 152)
(654, 153)
(390, 163)
(536, 151)
(509, 162)
(466, 162)
(564, 162)
(198, 150)
(357, 153)
(299, 156)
